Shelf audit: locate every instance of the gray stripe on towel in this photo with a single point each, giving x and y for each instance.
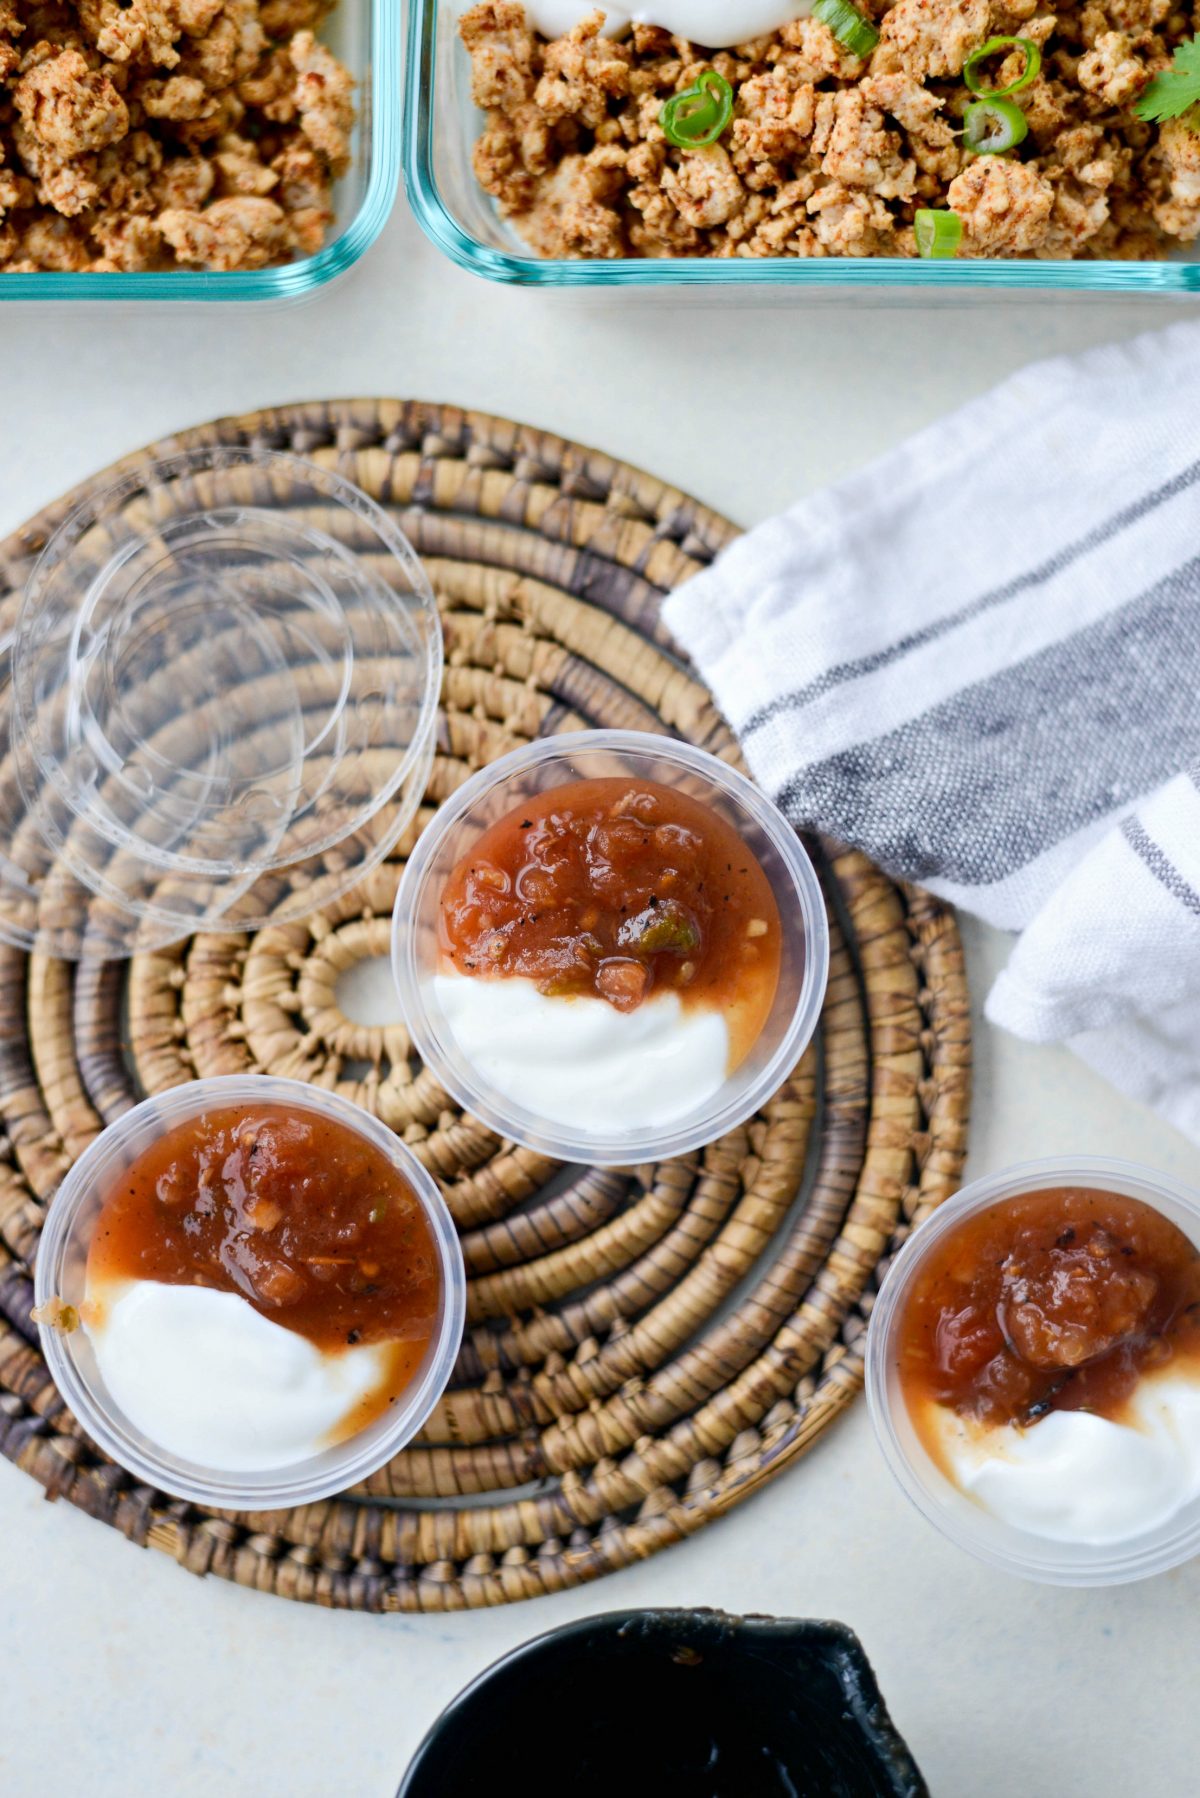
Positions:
(987, 780)
(842, 672)
(1159, 864)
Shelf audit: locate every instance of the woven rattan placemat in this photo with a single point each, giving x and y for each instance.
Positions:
(644, 1349)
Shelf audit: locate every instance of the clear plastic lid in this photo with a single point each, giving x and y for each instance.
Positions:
(224, 681)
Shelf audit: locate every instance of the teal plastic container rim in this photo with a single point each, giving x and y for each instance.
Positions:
(1180, 279)
(294, 279)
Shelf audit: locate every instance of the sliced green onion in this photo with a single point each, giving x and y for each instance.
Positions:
(699, 114)
(994, 47)
(992, 126)
(847, 25)
(938, 233)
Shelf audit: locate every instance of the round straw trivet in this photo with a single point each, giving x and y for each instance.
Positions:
(644, 1348)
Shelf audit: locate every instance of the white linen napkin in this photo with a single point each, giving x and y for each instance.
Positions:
(979, 661)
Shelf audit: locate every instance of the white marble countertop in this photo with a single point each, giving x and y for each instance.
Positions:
(123, 1675)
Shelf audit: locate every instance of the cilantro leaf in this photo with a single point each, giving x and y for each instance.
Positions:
(1170, 94)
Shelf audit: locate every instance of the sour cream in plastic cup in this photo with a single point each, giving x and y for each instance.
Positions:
(61, 1272)
(527, 775)
(1063, 1563)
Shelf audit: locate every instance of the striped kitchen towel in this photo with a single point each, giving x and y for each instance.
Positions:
(979, 661)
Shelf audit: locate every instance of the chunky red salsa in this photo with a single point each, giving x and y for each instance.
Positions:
(1055, 1300)
(295, 1211)
(619, 889)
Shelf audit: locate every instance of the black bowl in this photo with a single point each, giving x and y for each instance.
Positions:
(671, 1704)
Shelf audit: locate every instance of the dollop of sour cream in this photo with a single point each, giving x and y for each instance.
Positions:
(1076, 1477)
(718, 24)
(579, 1061)
(210, 1379)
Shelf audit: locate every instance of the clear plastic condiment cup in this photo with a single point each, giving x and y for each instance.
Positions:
(61, 1272)
(224, 679)
(513, 779)
(959, 1517)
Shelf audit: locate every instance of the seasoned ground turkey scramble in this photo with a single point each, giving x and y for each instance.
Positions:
(149, 134)
(830, 154)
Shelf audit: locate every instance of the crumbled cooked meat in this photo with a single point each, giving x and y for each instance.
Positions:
(150, 134)
(848, 223)
(68, 108)
(583, 72)
(283, 18)
(932, 37)
(856, 150)
(148, 29)
(238, 232)
(271, 88)
(17, 192)
(1048, 106)
(776, 115)
(704, 187)
(230, 48)
(1178, 212)
(914, 107)
(54, 243)
(239, 170)
(820, 52)
(503, 69)
(573, 212)
(831, 154)
(129, 242)
(1004, 206)
(179, 97)
(186, 181)
(323, 100)
(1137, 15)
(1080, 212)
(303, 192)
(1113, 67)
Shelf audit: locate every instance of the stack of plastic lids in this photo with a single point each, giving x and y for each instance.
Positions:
(220, 699)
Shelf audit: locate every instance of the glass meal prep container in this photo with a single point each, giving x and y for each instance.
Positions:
(441, 124)
(366, 36)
